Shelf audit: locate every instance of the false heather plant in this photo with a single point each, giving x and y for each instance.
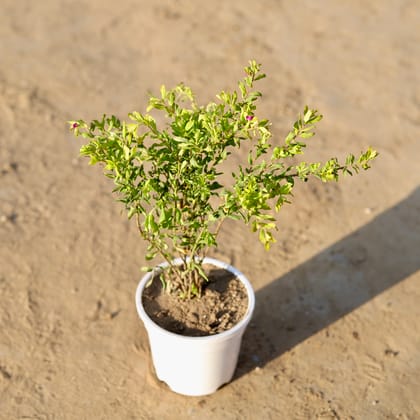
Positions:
(170, 177)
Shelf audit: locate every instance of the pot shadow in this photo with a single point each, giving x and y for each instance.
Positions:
(333, 283)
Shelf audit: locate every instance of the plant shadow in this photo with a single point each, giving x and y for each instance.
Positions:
(333, 283)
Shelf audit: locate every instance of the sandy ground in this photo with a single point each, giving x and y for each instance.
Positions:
(336, 332)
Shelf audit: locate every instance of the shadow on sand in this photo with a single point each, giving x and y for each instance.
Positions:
(333, 283)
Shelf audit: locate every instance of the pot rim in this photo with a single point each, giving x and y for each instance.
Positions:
(215, 337)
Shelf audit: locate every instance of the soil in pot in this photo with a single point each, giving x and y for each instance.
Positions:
(222, 306)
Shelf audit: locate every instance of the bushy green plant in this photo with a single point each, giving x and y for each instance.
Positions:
(169, 178)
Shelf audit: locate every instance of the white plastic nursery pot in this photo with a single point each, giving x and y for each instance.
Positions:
(195, 365)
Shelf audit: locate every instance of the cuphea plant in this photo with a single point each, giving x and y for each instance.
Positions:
(170, 178)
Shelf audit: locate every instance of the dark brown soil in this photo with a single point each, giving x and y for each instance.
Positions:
(223, 304)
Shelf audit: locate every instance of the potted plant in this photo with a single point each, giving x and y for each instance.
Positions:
(171, 179)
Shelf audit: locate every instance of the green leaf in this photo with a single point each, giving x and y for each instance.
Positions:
(131, 212)
(290, 137)
(307, 135)
(163, 91)
(132, 128)
(215, 186)
(127, 152)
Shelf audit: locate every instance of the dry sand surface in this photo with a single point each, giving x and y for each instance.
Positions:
(336, 331)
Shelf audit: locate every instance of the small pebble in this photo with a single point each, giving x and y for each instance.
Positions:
(390, 352)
